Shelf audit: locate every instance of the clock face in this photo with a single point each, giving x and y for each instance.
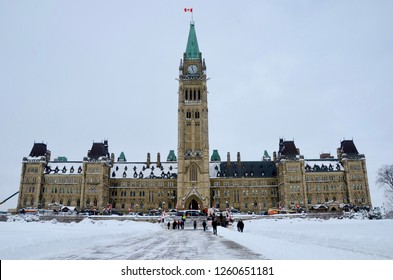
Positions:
(192, 69)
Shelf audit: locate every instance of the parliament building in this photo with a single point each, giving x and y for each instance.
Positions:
(195, 177)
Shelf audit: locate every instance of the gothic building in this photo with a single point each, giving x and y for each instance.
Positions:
(195, 179)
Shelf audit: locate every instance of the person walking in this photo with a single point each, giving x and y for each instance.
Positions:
(204, 225)
(240, 225)
(195, 224)
(214, 225)
(169, 225)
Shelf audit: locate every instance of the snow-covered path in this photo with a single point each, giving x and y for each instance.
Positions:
(171, 244)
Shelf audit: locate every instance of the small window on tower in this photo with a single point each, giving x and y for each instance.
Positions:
(197, 115)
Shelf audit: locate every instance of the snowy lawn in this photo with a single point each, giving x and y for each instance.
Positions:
(316, 239)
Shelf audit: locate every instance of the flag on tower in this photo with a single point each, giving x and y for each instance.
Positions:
(188, 10)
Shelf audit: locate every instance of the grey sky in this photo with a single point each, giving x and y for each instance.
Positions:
(74, 72)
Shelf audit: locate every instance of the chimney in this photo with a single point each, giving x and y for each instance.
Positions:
(228, 159)
(148, 160)
(238, 158)
(158, 160)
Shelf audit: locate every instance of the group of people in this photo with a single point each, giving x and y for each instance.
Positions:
(176, 224)
(179, 224)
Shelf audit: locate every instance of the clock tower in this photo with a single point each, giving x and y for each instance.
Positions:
(193, 182)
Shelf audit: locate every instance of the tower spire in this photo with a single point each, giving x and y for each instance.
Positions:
(192, 49)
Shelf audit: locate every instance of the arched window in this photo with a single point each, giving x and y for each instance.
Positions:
(78, 203)
(300, 199)
(186, 95)
(356, 199)
(292, 199)
(193, 173)
(195, 94)
(88, 202)
(199, 94)
(69, 202)
(95, 202)
(32, 202)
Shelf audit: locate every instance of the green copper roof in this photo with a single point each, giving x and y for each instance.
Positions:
(122, 157)
(61, 158)
(215, 156)
(266, 156)
(192, 50)
(171, 156)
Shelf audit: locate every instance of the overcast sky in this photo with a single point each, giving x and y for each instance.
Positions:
(74, 72)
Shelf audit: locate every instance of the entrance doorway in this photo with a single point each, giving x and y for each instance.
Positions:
(193, 205)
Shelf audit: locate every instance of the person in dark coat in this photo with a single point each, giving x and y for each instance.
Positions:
(214, 225)
(195, 224)
(169, 225)
(204, 225)
(240, 225)
(174, 225)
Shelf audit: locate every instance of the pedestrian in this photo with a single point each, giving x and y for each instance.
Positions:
(240, 225)
(169, 225)
(195, 224)
(214, 225)
(204, 225)
(174, 225)
(178, 224)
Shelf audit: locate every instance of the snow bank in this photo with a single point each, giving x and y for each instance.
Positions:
(40, 240)
(317, 239)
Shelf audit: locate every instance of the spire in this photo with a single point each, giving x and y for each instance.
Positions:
(192, 50)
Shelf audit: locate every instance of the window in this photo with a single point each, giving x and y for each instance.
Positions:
(193, 173)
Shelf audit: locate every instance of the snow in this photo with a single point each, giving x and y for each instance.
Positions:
(276, 239)
(140, 170)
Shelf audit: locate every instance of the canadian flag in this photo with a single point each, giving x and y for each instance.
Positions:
(187, 10)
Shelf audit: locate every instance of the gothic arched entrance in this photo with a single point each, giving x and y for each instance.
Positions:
(193, 205)
(193, 202)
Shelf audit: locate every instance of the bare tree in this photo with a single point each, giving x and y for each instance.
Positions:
(385, 180)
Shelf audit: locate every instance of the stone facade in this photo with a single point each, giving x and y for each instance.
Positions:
(193, 179)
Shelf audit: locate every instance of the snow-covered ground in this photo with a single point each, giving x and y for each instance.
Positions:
(277, 239)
